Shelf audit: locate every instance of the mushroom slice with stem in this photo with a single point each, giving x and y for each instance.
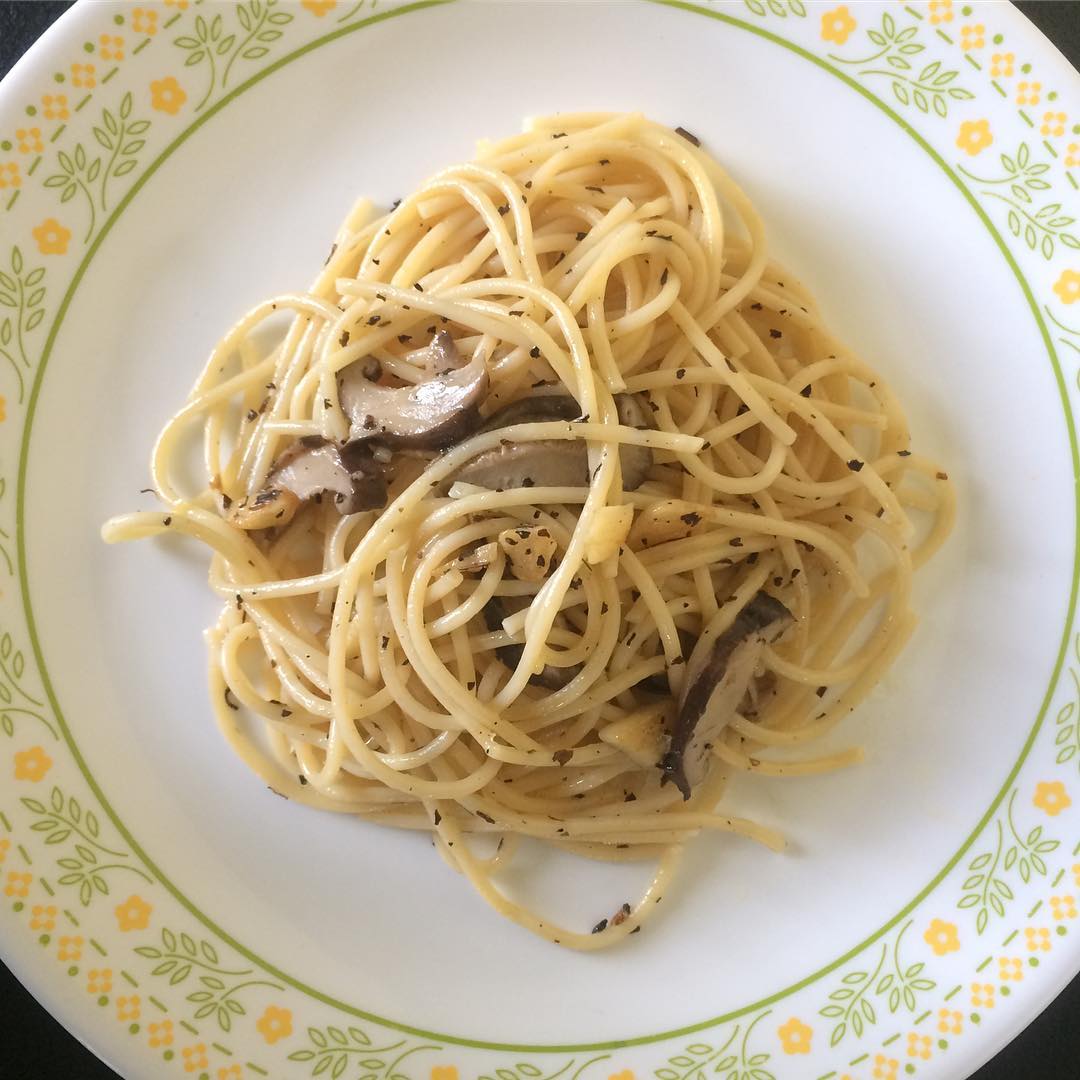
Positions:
(431, 415)
(310, 467)
(717, 676)
(552, 462)
(443, 355)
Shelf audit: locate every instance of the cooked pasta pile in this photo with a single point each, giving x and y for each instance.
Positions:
(555, 505)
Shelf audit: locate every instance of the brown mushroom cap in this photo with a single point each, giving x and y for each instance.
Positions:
(552, 462)
(533, 410)
(310, 467)
(314, 466)
(717, 676)
(442, 353)
(431, 415)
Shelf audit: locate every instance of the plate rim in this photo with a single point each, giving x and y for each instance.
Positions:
(29, 60)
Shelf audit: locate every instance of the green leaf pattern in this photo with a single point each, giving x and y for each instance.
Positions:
(1020, 187)
(120, 139)
(726, 1058)
(332, 1050)
(988, 888)
(22, 300)
(90, 863)
(780, 8)
(218, 46)
(215, 991)
(929, 87)
(893, 985)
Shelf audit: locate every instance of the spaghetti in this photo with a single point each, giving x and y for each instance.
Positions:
(555, 504)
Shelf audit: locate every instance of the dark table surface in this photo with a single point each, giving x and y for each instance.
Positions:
(35, 1046)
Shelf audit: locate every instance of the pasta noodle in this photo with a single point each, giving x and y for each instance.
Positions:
(647, 523)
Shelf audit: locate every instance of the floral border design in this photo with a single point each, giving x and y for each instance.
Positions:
(98, 912)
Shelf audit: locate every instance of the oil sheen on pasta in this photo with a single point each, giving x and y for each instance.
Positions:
(486, 654)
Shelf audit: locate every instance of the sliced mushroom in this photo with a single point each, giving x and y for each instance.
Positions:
(431, 415)
(554, 462)
(443, 355)
(533, 410)
(525, 465)
(550, 676)
(717, 676)
(310, 467)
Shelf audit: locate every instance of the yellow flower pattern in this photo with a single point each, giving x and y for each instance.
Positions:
(10, 175)
(128, 1008)
(160, 1033)
(1050, 795)
(885, 1067)
(918, 1046)
(942, 937)
(1028, 93)
(950, 1021)
(167, 95)
(1037, 938)
(319, 7)
(972, 36)
(69, 947)
(133, 914)
(84, 76)
(1068, 289)
(982, 995)
(32, 764)
(1010, 968)
(55, 107)
(1001, 65)
(940, 11)
(275, 1023)
(51, 237)
(974, 136)
(99, 980)
(29, 140)
(194, 1057)
(111, 47)
(795, 1037)
(230, 1072)
(43, 917)
(1053, 123)
(5, 845)
(1063, 907)
(17, 883)
(837, 25)
(1072, 156)
(144, 21)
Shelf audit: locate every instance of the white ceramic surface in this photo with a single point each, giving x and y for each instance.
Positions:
(893, 216)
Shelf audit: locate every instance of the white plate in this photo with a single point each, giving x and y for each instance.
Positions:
(926, 908)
